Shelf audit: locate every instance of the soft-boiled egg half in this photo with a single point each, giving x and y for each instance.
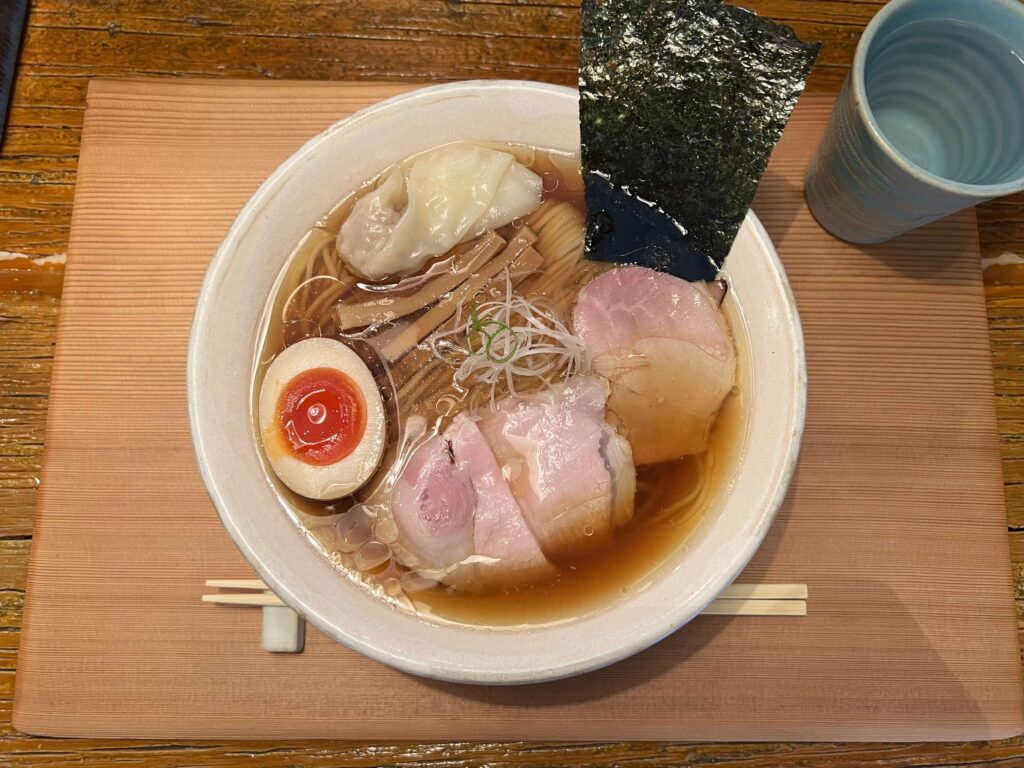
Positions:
(322, 419)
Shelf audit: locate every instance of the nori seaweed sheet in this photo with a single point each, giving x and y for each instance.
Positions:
(681, 104)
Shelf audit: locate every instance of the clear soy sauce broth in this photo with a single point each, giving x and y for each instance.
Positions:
(673, 499)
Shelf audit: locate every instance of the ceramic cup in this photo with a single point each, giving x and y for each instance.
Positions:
(930, 120)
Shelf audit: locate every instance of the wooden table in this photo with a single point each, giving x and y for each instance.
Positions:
(69, 41)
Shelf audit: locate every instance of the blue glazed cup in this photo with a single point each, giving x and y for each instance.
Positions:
(930, 120)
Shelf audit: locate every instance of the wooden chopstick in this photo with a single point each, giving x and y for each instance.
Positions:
(736, 600)
(236, 584)
(729, 607)
(245, 598)
(763, 592)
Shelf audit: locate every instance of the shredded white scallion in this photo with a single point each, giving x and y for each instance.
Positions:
(508, 341)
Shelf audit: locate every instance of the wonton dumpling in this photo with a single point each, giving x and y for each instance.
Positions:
(373, 218)
(449, 195)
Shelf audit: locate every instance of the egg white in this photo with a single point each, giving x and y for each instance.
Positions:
(347, 475)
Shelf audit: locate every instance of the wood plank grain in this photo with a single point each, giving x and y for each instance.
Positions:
(28, 324)
(37, 171)
(23, 752)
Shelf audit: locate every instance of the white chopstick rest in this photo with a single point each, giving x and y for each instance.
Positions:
(284, 631)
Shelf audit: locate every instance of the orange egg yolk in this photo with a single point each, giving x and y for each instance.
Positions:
(322, 415)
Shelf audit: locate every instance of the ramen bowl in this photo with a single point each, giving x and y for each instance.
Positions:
(223, 363)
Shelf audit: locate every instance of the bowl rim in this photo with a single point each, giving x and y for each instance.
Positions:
(702, 594)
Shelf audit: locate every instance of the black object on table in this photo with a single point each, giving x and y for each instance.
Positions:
(12, 23)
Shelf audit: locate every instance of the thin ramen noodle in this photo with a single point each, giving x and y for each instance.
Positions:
(505, 337)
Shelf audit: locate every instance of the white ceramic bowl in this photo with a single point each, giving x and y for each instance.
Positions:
(221, 364)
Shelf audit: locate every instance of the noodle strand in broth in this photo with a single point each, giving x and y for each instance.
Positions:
(319, 295)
